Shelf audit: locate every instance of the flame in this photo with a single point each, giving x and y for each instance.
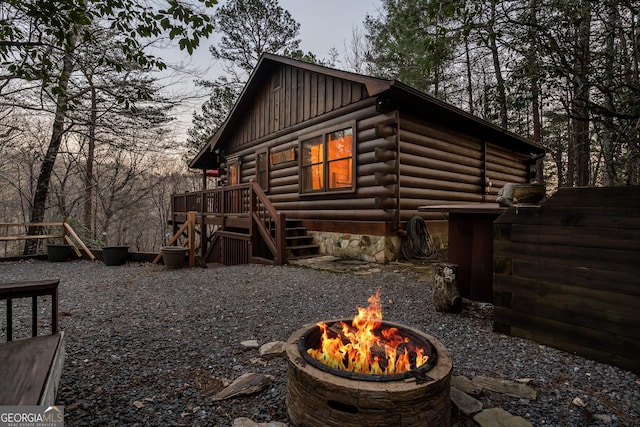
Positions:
(364, 348)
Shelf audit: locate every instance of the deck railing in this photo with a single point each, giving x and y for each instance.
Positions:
(245, 219)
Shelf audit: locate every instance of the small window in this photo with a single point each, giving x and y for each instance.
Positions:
(262, 170)
(234, 173)
(326, 162)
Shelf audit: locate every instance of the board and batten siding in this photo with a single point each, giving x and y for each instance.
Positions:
(292, 96)
(439, 166)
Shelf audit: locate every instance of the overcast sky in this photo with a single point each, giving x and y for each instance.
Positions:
(323, 24)
(329, 23)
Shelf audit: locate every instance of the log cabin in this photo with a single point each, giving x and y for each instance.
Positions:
(314, 157)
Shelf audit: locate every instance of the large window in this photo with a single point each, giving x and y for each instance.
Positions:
(326, 162)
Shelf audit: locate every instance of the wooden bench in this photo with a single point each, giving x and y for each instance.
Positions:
(31, 367)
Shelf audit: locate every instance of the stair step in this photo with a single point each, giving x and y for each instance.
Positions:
(302, 256)
(301, 247)
(301, 237)
(296, 229)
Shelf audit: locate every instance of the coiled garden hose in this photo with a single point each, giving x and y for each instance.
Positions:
(417, 243)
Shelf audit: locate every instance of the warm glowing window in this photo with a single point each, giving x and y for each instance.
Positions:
(234, 173)
(327, 162)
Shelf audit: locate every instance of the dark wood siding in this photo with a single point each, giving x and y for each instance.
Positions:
(417, 163)
(566, 273)
(443, 166)
(437, 166)
(302, 95)
(375, 180)
(504, 165)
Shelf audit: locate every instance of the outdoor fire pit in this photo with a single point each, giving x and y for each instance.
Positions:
(404, 382)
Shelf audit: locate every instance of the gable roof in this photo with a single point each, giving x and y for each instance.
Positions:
(403, 96)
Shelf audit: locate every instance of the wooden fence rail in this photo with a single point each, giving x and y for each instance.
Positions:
(67, 235)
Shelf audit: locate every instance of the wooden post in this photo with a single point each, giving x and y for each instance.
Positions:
(203, 225)
(64, 229)
(281, 238)
(253, 231)
(191, 236)
(446, 297)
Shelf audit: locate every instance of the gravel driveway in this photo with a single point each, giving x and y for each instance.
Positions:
(149, 346)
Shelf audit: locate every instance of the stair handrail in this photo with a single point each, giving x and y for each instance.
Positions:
(277, 243)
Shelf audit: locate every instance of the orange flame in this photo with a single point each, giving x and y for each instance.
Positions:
(363, 348)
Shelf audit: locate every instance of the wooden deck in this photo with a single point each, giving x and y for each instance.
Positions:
(31, 370)
(237, 224)
(31, 367)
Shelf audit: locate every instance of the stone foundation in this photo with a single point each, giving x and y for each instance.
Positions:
(379, 249)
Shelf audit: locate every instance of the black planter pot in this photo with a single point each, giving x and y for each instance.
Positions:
(115, 255)
(58, 253)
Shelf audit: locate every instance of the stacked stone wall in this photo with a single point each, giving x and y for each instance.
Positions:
(379, 249)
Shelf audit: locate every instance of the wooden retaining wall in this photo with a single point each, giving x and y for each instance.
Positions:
(567, 273)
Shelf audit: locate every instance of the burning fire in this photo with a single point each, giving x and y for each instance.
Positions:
(364, 348)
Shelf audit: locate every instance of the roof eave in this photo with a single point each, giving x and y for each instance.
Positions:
(536, 148)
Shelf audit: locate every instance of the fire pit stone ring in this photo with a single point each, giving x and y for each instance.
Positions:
(317, 397)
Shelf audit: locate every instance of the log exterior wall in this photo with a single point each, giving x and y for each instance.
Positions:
(442, 166)
(401, 162)
(335, 211)
(566, 274)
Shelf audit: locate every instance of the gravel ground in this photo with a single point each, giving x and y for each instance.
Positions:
(149, 346)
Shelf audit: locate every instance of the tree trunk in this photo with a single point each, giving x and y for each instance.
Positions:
(469, 73)
(39, 204)
(609, 133)
(534, 73)
(88, 179)
(446, 296)
(493, 45)
(580, 102)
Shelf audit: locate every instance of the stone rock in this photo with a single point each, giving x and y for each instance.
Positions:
(249, 344)
(465, 403)
(248, 422)
(363, 273)
(464, 384)
(506, 195)
(273, 349)
(245, 384)
(509, 388)
(604, 418)
(498, 417)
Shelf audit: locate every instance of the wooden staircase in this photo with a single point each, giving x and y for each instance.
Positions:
(298, 243)
(239, 225)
